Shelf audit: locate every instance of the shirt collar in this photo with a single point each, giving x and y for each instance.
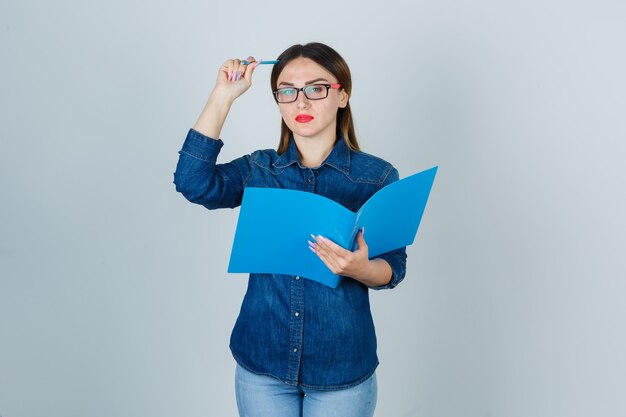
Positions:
(339, 157)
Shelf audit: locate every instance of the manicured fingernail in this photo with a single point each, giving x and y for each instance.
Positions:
(312, 250)
(322, 238)
(311, 244)
(238, 75)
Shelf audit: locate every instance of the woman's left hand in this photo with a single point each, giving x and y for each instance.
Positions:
(341, 261)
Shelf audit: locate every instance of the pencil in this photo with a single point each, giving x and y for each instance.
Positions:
(261, 63)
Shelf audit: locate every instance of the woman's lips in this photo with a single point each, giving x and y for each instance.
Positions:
(304, 118)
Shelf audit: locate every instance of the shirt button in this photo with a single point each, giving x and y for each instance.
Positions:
(295, 349)
(296, 314)
(296, 278)
(309, 180)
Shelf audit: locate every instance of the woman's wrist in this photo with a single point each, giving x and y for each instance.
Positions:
(214, 114)
(222, 96)
(378, 272)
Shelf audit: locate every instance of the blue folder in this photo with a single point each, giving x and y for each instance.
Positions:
(274, 226)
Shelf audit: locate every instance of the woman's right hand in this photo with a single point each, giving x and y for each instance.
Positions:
(234, 78)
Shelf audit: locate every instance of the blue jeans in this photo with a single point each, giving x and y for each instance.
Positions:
(264, 396)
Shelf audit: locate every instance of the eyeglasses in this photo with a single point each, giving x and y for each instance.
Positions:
(312, 92)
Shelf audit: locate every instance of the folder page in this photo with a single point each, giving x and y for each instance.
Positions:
(392, 215)
(273, 229)
(274, 226)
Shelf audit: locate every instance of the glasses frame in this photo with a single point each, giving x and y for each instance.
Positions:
(328, 87)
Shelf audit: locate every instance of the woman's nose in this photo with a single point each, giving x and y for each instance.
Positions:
(302, 102)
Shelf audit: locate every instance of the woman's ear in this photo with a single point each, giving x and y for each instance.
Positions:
(343, 98)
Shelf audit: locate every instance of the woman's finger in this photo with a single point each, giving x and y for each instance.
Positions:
(249, 70)
(237, 70)
(328, 259)
(227, 68)
(331, 246)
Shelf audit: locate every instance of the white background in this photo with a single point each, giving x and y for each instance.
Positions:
(114, 296)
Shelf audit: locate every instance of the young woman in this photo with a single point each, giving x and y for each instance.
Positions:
(302, 348)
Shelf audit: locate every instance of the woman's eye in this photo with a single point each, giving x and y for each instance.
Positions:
(287, 91)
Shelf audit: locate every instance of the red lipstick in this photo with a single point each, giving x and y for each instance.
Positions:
(304, 118)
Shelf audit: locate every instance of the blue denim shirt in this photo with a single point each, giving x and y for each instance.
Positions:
(297, 330)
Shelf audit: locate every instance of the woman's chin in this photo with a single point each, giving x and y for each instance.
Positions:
(305, 132)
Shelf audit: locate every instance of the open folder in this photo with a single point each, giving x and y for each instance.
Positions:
(275, 224)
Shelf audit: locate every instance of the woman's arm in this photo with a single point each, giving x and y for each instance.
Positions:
(198, 176)
(233, 79)
(201, 180)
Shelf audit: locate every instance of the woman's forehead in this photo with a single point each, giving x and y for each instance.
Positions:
(302, 70)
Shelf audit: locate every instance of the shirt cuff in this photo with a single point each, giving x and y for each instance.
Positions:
(397, 261)
(201, 147)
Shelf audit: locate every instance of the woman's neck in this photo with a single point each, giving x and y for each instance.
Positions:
(314, 150)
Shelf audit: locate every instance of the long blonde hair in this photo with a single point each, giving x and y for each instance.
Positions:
(328, 58)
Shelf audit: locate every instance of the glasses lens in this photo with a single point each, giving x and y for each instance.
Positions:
(286, 95)
(316, 91)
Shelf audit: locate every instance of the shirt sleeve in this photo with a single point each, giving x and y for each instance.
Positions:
(202, 181)
(395, 258)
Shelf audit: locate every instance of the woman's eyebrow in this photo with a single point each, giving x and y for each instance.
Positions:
(307, 83)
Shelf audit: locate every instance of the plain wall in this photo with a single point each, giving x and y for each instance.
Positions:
(114, 296)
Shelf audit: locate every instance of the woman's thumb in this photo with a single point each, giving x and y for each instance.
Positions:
(250, 68)
(360, 239)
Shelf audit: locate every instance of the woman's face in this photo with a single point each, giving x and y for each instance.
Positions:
(322, 114)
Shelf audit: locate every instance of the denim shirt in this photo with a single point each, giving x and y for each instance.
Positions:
(296, 330)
